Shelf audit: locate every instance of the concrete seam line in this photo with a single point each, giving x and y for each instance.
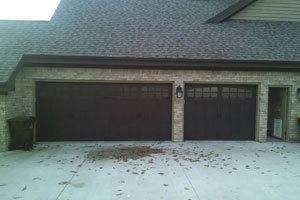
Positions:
(79, 166)
(190, 182)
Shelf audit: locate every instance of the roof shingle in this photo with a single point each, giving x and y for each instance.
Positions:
(147, 28)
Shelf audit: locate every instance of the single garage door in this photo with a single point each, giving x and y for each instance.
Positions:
(103, 111)
(219, 112)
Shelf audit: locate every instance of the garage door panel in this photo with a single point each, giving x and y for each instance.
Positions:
(100, 111)
(203, 114)
(201, 108)
(219, 112)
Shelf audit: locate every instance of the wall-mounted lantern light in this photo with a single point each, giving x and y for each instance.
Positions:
(298, 93)
(179, 92)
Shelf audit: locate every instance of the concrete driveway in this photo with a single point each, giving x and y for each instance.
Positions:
(152, 171)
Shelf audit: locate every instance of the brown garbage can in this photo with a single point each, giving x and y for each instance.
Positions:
(21, 132)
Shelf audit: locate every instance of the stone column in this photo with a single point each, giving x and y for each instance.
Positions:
(178, 114)
(262, 113)
(3, 124)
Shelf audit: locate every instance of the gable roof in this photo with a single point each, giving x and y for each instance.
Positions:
(157, 29)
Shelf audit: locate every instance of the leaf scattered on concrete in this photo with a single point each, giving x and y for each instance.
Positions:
(64, 183)
(17, 197)
(124, 154)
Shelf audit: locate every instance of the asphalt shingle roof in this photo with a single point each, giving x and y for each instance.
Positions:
(147, 28)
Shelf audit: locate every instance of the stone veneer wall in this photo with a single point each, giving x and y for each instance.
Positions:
(21, 101)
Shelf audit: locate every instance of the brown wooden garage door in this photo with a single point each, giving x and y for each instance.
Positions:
(103, 111)
(219, 112)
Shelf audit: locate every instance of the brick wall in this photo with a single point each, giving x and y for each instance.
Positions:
(3, 126)
(21, 101)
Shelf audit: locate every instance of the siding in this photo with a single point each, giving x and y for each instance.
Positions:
(274, 10)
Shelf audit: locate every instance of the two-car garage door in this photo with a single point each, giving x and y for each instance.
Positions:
(103, 111)
(125, 111)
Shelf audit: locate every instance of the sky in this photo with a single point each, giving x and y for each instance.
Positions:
(27, 9)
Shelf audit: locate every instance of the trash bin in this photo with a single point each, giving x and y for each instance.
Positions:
(21, 132)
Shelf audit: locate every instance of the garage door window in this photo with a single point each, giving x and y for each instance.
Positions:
(122, 91)
(154, 92)
(236, 93)
(202, 92)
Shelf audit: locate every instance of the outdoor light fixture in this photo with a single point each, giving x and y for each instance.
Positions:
(179, 92)
(298, 93)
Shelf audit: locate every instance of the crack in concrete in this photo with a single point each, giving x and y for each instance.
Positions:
(190, 182)
(69, 181)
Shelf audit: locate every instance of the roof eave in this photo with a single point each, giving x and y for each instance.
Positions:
(146, 63)
(157, 63)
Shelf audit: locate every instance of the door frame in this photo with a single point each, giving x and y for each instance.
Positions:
(288, 88)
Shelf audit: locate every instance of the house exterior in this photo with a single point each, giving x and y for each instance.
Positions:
(109, 70)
